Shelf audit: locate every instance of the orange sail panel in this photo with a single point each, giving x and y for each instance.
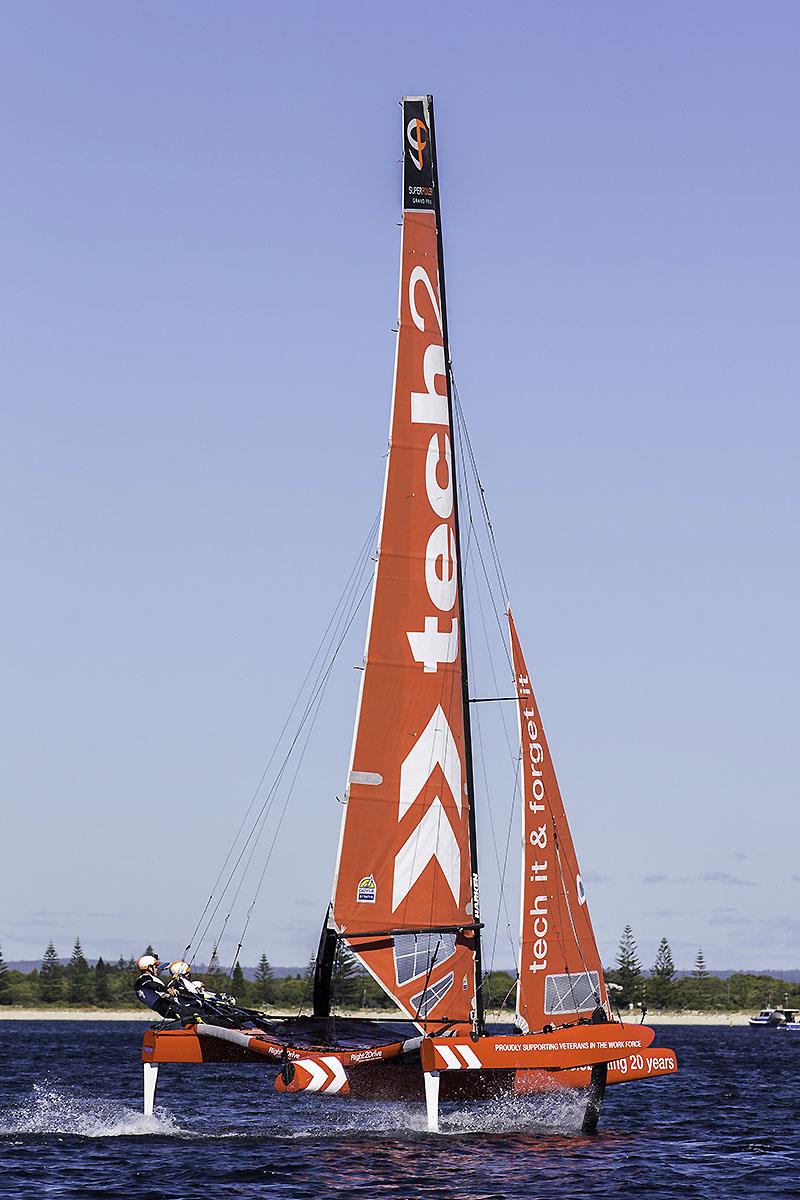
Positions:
(403, 894)
(560, 974)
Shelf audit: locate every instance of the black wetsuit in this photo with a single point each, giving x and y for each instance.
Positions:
(218, 1009)
(177, 1002)
(153, 992)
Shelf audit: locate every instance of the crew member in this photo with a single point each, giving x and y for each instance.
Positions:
(216, 1008)
(152, 990)
(162, 997)
(180, 981)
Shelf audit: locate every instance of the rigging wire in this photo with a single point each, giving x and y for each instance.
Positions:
(310, 730)
(341, 608)
(261, 818)
(471, 481)
(481, 492)
(571, 920)
(512, 810)
(563, 900)
(500, 870)
(513, 753)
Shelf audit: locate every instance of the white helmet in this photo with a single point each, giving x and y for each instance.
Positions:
(178, 969)
(147, 962)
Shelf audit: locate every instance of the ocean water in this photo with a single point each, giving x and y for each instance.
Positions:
(728, 1126)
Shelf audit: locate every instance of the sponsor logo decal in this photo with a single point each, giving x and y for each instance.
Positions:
(365, 1056)
(417, 134)
(367, 890)
(537, 838)
(432, 646)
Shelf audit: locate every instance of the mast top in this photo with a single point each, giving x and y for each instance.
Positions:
(418, 164)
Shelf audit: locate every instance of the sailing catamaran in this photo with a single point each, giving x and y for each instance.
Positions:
(406, 892)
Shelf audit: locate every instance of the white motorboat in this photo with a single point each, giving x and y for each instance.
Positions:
(775, 1018)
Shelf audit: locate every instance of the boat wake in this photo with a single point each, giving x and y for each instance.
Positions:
(557, 1113)
(51, 1109)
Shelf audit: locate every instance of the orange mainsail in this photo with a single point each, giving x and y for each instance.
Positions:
(403, 893)
(560, 974)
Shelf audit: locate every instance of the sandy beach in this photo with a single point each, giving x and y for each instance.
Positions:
(134, 1014)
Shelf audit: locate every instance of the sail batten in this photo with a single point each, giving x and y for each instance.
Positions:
(406, 855)
(560, 974)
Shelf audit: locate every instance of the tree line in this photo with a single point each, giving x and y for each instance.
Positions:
(661, 988)
(107, 984)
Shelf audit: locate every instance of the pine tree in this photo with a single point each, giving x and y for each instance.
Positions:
(346, 985)
(239, 984)
(663, 973)
(102, 985)
(50, 977)
(80, 984)
(629, 968)
(699, 976)
(700, 973)
(264, 990)
(215, 980)
(5, 982)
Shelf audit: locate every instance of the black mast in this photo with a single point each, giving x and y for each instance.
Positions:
(323, 967)
(462, 632)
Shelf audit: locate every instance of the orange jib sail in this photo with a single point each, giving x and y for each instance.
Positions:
(403, 894)
(560, 974)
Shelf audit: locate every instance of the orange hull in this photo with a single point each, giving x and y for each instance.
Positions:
(470, 1070)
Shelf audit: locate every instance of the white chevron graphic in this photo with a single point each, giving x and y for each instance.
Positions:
(433, 838)
(471, 1062)
(449, 1056)
(434, 747)
(319, 1076)
(470, 1057)
(339, 1076)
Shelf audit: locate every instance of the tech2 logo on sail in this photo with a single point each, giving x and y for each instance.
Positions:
(436, 644)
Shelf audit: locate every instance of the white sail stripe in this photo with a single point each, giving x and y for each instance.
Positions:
(449, 1056)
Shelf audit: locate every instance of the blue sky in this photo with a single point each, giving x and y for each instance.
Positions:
(199, 262)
